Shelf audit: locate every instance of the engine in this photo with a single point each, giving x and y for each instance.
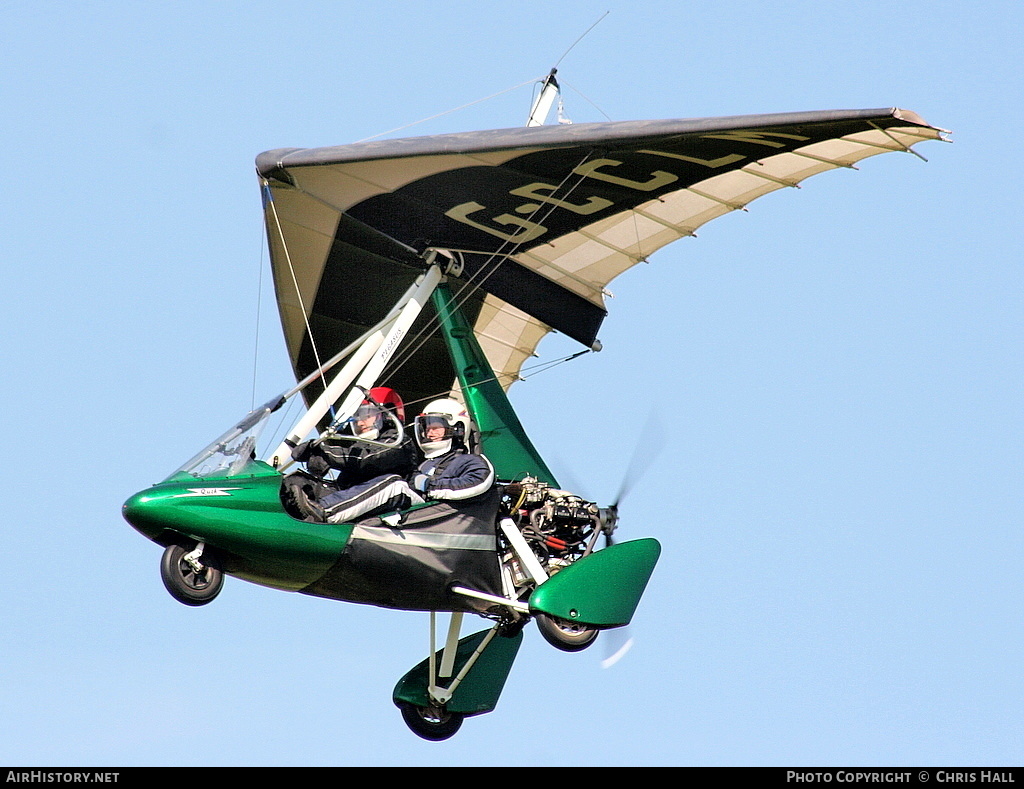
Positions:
(559, 526)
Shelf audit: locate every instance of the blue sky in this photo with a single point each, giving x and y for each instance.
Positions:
(837, 374)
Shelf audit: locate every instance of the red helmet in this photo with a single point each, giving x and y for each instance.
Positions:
(388, 398)
(369, 419)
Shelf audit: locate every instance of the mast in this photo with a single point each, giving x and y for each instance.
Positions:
(549, 91)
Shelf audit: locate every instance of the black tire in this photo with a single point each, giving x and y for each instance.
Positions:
(431, 723)
(564, 635)
(185, 584)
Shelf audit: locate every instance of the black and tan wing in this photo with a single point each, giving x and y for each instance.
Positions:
(540, 220)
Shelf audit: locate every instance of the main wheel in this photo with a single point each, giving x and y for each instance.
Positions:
(431, 723)
(184, 583)
(565, 635)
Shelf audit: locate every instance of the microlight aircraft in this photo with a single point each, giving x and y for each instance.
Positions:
(434, 266)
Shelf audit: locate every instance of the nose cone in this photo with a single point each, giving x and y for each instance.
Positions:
(144, 511)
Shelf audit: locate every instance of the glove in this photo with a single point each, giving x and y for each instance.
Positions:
(300, 452)
(419, 482)
(317, 465)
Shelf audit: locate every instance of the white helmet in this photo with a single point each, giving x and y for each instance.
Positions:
(450, 415)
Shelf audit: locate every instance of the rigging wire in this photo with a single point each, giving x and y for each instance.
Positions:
(259, 313)
(449, 112)
(537, 369)
(295, 283)
(578, 40)
(587, 99)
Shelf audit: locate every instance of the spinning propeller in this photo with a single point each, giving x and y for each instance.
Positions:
(647, 448)
(618, 641)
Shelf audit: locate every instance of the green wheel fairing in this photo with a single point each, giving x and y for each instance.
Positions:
(602, 589)
(479, 691)
(240, 517)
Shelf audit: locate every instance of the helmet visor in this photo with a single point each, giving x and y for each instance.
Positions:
(432, 427)
(367, 418)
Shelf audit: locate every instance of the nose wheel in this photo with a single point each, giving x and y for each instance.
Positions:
(190, 577)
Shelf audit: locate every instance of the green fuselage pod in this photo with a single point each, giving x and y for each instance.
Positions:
(241, 517)
(479, 690)
(504, 440)
(602, 589)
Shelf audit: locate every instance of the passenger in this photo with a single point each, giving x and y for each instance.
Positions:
(450, 471)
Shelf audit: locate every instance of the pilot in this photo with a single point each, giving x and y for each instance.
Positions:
(377, 419)
(356, 461)
(445, 435)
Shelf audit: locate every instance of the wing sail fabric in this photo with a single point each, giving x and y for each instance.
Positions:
(541, 219)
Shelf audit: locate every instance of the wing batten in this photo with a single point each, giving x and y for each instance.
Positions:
(780, 181)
